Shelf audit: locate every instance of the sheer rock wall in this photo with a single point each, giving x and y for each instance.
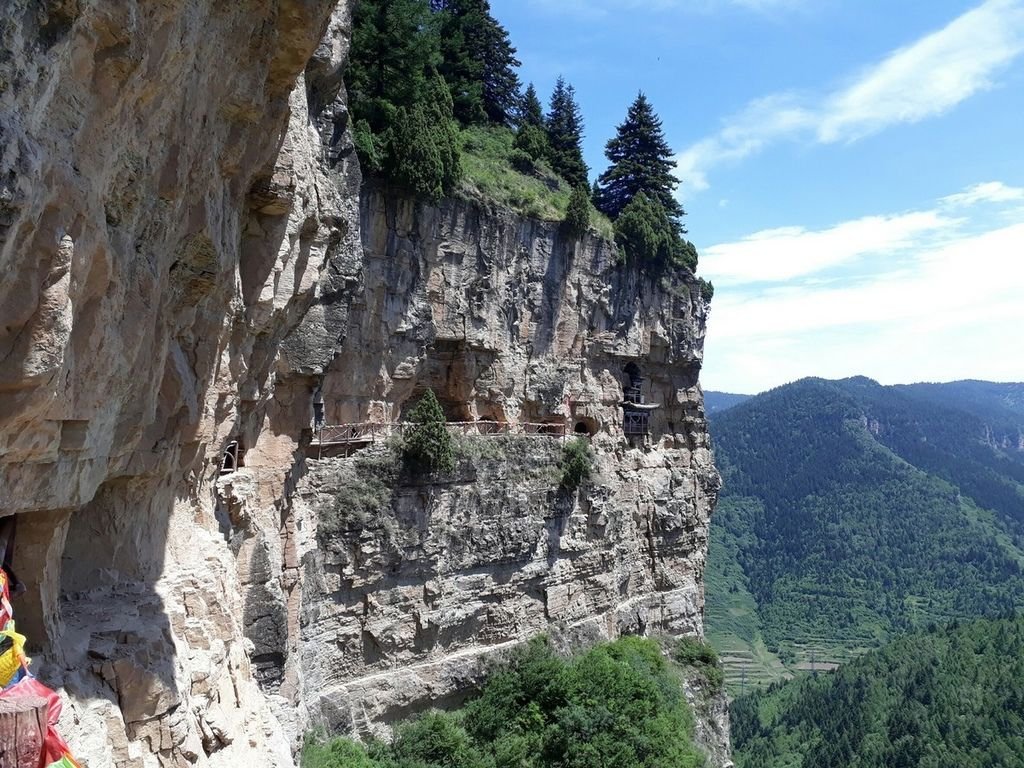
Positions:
(505, 319)
(180, 235)
(167, 218)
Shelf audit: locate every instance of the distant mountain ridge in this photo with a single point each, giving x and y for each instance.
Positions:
(852, 511)
(716, 402)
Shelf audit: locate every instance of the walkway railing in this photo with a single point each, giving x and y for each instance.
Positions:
(360, 434)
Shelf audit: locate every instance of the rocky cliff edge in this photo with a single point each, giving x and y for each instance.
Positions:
(187, 259)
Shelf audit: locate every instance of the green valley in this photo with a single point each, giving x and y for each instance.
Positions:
(853, 512)
(939, 697)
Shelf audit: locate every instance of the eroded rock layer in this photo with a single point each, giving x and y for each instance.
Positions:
(187, 259)
(506, 320)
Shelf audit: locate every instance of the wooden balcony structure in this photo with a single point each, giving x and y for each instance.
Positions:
(346, 439)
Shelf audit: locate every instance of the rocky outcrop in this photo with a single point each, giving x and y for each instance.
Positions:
(187, 257)
(166, 220)
(506, 320)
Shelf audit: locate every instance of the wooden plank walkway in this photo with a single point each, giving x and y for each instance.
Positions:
(354, 436)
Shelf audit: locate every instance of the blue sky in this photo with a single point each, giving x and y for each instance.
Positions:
(852, 170)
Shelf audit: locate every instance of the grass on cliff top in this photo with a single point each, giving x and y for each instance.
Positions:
(488, 175)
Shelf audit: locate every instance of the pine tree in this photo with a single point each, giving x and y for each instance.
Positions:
(577, 214)
(422, 153)
(404, 127)
(393, 49)
(427, 445)
(478, 63)
(564, 125)
(641, 161)
(650, 236)
(531, 112)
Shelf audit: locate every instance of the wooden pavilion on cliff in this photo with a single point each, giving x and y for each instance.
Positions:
(636, 413)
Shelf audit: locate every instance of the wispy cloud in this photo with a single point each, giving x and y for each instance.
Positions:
(920, 295)
(986, 192)
(920, 81)
(785, 253)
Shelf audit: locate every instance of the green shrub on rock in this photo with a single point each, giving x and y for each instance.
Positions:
(577, 463)
(423, 146)
(532, 140)
(427, 445)
(650, 237)
(691, 652)
(577, 215)
(618, 704)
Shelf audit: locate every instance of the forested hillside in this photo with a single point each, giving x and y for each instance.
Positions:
(716, 402)
(938, 698)
(851, 512)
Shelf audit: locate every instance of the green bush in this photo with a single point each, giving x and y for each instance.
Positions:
(650, 237)
(707, 290)
(337, 753)
(427, 445)
(521, 161)
(577, 463)
(436, 739)
(532, 140)
(577, 215)
(364, 488)
(369, 147)
(423, 147)
(619, 704)
(691, 652)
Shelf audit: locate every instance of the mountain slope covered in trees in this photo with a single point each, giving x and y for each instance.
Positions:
(851, 512)
(950, 696)
(716, 402)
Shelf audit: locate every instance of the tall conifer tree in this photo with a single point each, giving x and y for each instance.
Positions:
(641, 161)
(393, 49)
(479, 62)
(531, 111)
(565, 135)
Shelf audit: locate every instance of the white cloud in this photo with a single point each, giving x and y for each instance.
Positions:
(789, 252)
(928, 296)
(922, 80)
(986, 192)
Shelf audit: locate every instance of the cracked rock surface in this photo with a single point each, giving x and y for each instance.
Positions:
(187, 255)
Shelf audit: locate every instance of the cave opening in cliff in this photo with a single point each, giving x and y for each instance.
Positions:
(35, 554)
(232, 457)
(455, 409)
(585, 427)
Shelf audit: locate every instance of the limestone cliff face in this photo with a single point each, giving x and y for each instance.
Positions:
(504, 319)
(186, 257)
(166, 220)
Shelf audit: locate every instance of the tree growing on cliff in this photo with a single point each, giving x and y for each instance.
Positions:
(530, 111)
(404, 127)
(394, 46)
(422, 154)
(427, 446)
(577, 464)
(577, 214)
(564, 125)
(478, 62)
(649, 236)
(641, 161)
